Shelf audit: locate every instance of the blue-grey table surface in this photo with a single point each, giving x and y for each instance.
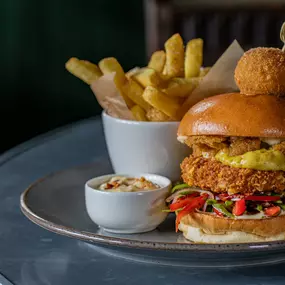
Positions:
(30, 255)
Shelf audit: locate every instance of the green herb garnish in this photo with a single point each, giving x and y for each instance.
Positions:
(211, 201)
(184, 193)
(179, 186)
(228, 203)
(282, 206)
(221, 208)
(259, 208)
(167, 211)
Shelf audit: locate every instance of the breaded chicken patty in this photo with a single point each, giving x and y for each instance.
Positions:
(209, 174)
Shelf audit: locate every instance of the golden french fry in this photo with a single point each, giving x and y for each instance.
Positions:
(134, 91)
(109, 65)
(204, 71)
(178, 100)
(155, 115)
(180, 87)
(149, 77)
(127, 99)
(194, 80)
(84, 70)
(187, 104)
(193, 57)
(174, 64)
(139, 113)
(132, 72)
(157, 61)
(161, 101)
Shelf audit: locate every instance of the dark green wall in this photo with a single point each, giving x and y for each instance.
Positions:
(38, 37)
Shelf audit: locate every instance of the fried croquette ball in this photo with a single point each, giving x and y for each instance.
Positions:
(261, 71)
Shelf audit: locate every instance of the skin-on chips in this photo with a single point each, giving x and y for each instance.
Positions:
(157, 61)
(159, 91)
(174, 64)
(139, 113)
(161, 101)
(193, 58)
(83, 69)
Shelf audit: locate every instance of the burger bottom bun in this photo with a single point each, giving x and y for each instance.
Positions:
(206, 228)
(197, 235)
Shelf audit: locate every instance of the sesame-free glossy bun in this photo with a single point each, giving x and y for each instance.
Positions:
(261, 71)
(235, 114)
(208, 228)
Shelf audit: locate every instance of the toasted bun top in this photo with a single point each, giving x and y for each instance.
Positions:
(261, 71)
(235, 114)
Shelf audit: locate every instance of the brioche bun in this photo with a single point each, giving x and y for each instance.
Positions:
(261, 71)
(208, 228)
(235, 114)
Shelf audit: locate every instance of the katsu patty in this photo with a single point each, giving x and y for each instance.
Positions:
(210, 174)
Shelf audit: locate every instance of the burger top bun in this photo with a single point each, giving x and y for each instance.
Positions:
(235, 114)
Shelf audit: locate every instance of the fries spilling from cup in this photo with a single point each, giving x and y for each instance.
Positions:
(157, 91)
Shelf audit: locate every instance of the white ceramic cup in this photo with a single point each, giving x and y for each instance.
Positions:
(127, 212)
(149, 147)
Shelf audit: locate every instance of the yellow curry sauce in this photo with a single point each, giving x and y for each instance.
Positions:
(261, 159)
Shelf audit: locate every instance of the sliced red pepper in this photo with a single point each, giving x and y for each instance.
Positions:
(182, 202)
(196, 203)
(239, 207)
(272, 211)
(262, 198)
(218, 212)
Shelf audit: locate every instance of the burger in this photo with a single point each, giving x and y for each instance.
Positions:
(233, 183)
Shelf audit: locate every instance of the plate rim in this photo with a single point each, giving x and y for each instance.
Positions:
(132, 243)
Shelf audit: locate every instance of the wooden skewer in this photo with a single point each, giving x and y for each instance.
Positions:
(282, 36)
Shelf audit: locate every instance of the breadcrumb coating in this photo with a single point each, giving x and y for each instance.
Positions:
(209, 174)
(261, 71)
(280, 147)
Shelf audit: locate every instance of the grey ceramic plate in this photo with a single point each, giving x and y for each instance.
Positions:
(56, 203)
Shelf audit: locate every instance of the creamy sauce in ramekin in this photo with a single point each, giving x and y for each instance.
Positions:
(128, 184)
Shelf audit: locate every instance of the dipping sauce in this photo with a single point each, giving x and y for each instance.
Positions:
(128, 184)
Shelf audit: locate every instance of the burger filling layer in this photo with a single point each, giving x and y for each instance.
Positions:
(235, 164)
(186, 199)
(240, 178)
(210, 146)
